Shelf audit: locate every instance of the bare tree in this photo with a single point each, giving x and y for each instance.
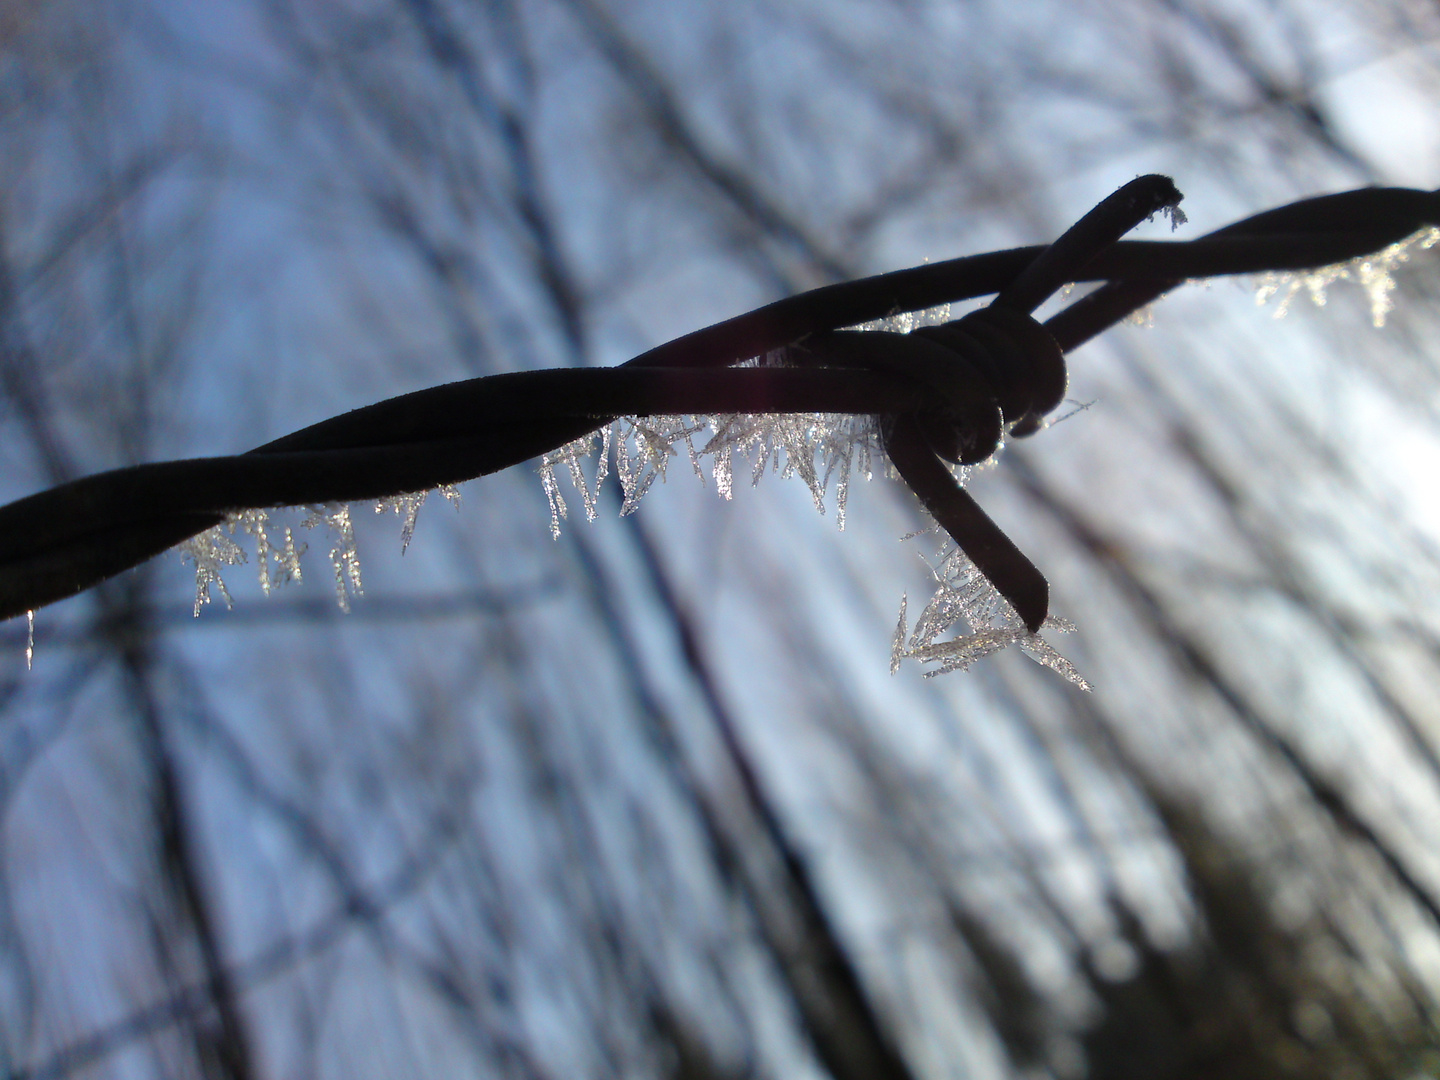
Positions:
(643, 801)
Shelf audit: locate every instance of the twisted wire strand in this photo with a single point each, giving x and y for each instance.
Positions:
(947, 392)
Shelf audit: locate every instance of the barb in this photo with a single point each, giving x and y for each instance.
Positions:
(950, 391)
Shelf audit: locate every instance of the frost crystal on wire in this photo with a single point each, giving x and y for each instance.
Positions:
(284, 560)
(571, 455)
(963, 595)
(407, 506)
(817, 447)
(1374, 273)
(215, 547)
(343, 556)
(653, 439)
(278, 561)
(209, 551)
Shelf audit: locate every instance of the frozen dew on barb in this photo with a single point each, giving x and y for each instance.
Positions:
(1374, 273)
(964, 596)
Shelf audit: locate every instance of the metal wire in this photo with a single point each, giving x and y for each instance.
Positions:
(946, 392)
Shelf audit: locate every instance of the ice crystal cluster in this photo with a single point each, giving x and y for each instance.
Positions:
(964, 597)
(1374, 273)
(819, 448)
(278, 560)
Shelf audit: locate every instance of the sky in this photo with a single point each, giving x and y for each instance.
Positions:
(530, 759)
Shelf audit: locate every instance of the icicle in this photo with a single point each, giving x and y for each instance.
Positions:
(30, 640)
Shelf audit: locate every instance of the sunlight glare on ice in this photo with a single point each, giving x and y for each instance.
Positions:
(1374, 273)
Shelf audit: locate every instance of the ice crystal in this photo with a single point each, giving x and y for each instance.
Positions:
(209, 551)
(821, 449)
(1374, 273)
(407, 506)
(275, 566)
(343, 556)
(277, 557)
(653, 439)
(964, 596)
(1172, 214)
(1143, 317)
(902, 322)
(818, 448)
(571, 455)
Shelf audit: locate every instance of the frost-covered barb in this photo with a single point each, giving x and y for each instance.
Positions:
(1374, 273)
(964, 597)
(1010, 371)
(817, 448)
(821, 449)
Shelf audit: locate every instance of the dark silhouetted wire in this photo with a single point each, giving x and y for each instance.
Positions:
(59, 542)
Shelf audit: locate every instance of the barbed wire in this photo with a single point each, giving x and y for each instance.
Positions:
(945, 392)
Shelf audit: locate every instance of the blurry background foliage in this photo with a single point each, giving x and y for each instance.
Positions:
(645, 801)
